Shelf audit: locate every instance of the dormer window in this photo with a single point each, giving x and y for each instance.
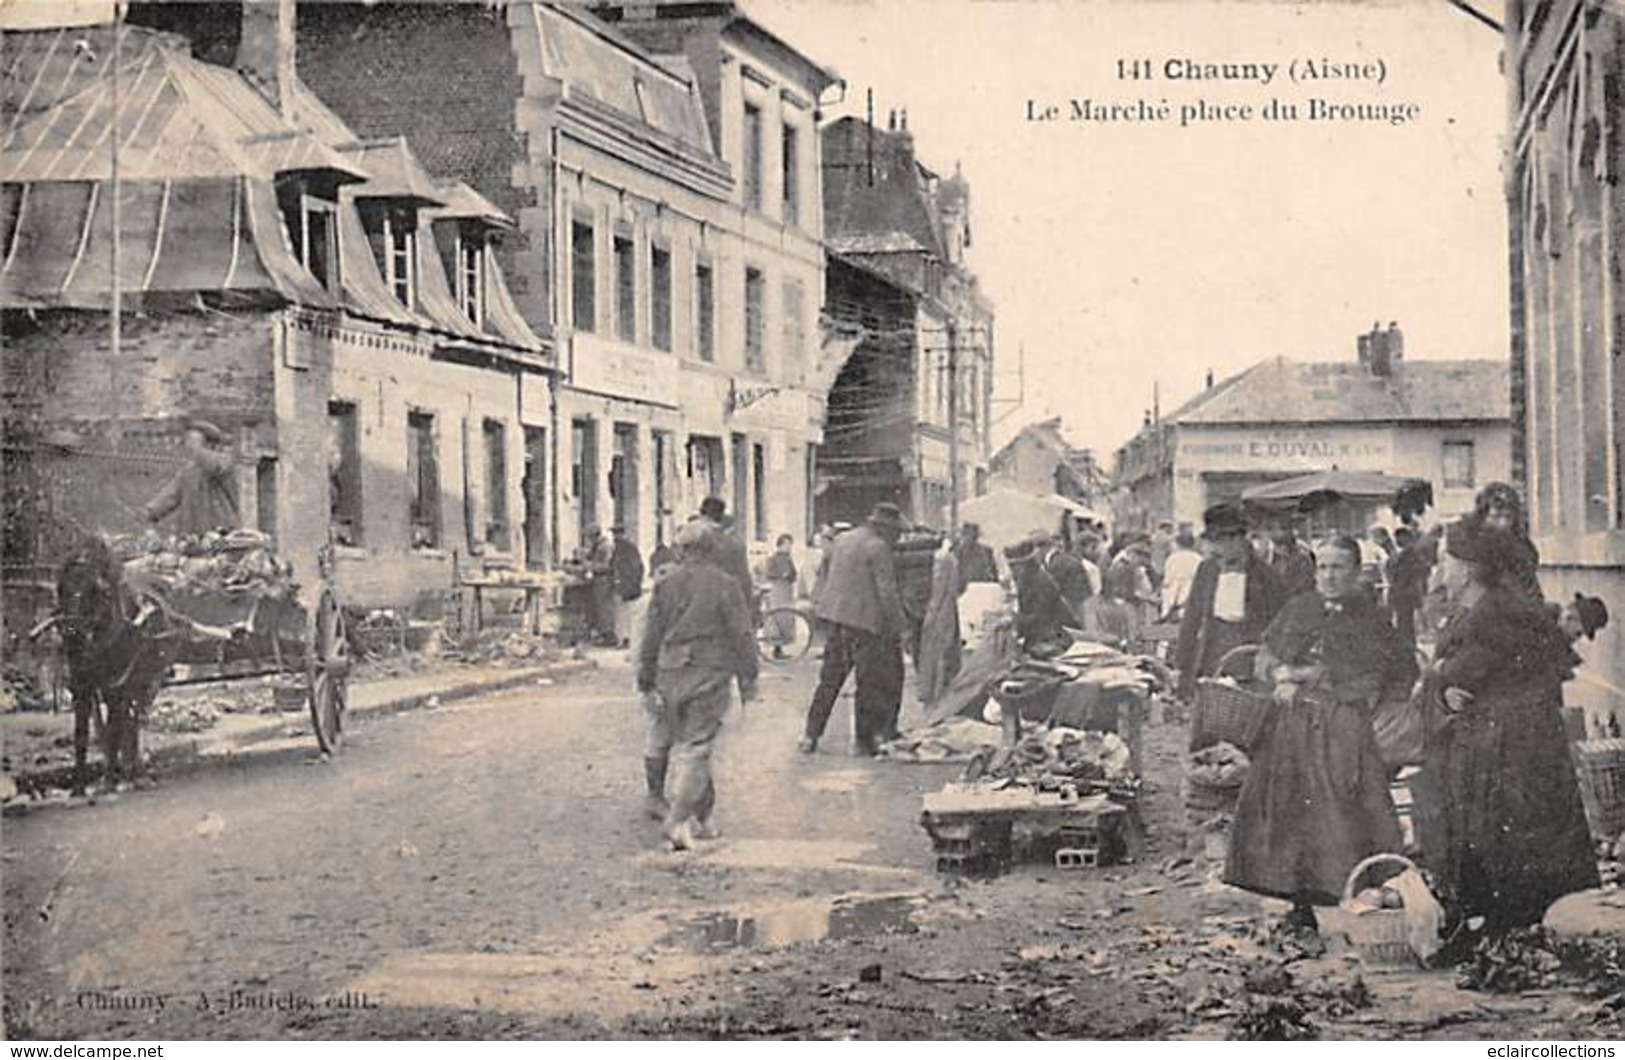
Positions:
(471, 275)
(392, 232)
(312, 225)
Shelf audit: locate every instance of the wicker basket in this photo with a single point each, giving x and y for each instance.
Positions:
(1379, 935)
(1224, 711)
(1601, 768)
(1202, 797)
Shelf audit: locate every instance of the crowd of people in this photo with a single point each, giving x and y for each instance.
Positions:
(1330, 628)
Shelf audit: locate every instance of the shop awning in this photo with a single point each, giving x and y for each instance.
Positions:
(1322, 487)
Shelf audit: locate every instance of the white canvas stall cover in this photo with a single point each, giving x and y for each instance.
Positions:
(1009, 516)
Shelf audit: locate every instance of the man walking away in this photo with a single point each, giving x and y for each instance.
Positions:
(696, 641)
(862, 610)
(730, 552)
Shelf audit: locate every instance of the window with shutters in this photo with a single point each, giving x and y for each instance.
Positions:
(705, 329)
(660, 297)
(791, 168)
(423, 480)
(755, 321)
(626, 290)
(752, 162)
(583, 277)
(496, 484)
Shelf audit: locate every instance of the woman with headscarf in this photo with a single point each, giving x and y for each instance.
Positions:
(1499, 509)
(1499, 816)
(1316, 801)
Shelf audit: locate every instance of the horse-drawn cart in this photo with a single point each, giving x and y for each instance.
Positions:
(135, 613)
(226, 607)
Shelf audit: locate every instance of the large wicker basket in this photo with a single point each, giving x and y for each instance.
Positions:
(1379, 935)
(1227, 712)
(1601, 768)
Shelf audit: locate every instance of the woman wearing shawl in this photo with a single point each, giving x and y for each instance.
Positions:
(1316, 801)
(1499, 816)
(780, 574)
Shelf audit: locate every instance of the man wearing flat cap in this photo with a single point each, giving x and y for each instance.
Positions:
(730, 552)
(696, 641)
(1233, 597)
(862, 611)
(203, 494)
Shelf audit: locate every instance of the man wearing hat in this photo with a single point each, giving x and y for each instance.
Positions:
(1232, 598)
(203, 494)
(696, 641)
(730, 552)
(862, 611)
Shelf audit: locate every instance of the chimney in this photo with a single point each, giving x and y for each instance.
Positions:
(1381, 350)
(265, 52)
(1209, 379)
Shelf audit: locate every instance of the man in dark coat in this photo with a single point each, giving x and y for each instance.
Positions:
(862, 610)
(697, 641)
(1290, 559)
(1233, 598)
(626, 567)
(973, 559)
(203, 494)
(1051, 588)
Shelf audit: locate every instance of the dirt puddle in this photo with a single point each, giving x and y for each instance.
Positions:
(790, 923)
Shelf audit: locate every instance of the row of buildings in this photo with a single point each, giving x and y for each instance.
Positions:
(461, 281)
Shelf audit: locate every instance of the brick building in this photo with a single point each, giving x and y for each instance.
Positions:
(337, 312)
(1443, 421)
(1565, 63)
(662, 163)
(897, 232)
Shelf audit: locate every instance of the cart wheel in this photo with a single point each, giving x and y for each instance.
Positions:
(329, 673)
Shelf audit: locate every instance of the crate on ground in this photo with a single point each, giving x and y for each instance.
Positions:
(1601, 768)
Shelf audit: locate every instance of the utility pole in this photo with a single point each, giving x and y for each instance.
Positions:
(115, 323)
(953, 428)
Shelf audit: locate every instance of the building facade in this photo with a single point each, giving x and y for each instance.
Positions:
(923, 371)
(341, 317)
(1565, 62)
(1039, 459)
(1444, 421)
(664, 174)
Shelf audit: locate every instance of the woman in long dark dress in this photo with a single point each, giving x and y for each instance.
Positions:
(1316, 801)
(1499, 816)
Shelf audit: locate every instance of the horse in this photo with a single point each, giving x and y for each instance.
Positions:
(116, 655)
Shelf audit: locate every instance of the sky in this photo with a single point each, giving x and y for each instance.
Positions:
(1124, 257)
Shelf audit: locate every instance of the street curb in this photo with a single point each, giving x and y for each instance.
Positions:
(269, 742)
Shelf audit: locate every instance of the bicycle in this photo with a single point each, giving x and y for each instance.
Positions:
(784, 633)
